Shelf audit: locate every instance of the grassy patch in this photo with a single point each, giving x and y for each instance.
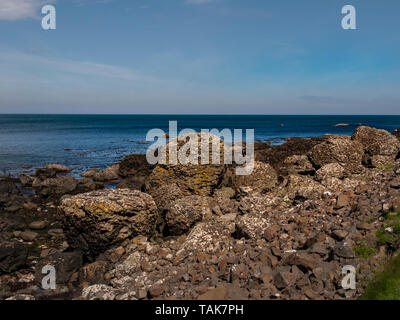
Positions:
(362, 251)
(383, 238)
(386, 285)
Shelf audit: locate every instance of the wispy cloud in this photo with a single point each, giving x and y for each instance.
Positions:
(83, 68)
(21, 9)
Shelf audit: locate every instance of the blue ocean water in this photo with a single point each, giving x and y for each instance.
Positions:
(97, 141)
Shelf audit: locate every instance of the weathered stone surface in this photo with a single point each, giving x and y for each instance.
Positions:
(262, 179)
(199, 179)
(57, 186)
(304, 187)
(377, 142)
(108, 174)
(95, 221)
(13, 255)
(348, 153)
(212, 236)
(99, 292)
(297, 165)
(251, 225)
(294, 146)
(135, 165)
(184, 213)
(331, 170)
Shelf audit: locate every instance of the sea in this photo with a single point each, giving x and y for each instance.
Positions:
(84, 142)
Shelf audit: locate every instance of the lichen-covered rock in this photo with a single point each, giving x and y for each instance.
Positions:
(342, 150)
(211, 236)
(377, 142)
(331, 170)
(166, 195)
(251, 226)
(224, 201)
(304, 187)
(200, 178)
(184, 213)
(262, 179)
(99, 292)
(96, 220)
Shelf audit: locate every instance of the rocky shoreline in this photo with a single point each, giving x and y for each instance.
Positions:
(310, 207)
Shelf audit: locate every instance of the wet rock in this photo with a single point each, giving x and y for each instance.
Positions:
(95, 221)
(109, 174)
(57, 186)
(135, 165)
(29, 235)
(345, 152)
(90, 173)
(38, 225)
(182, 214)
(13, 256)
(65, 264)
(294, 146)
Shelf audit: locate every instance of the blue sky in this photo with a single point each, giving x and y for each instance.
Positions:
(200, 56)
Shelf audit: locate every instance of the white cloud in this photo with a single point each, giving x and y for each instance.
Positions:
(21, 9)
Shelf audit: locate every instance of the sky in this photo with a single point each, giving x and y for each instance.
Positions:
(200, 57)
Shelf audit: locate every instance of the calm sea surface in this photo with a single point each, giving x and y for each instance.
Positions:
(97, 141)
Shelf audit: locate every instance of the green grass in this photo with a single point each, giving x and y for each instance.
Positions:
(386, 285)
(383, 238)
(362, 251)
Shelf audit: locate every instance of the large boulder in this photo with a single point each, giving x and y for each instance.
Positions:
(200, 178)
(297, 165)
(135, 165)
(95, 221)
(380, 146)
(342, 150)
(262, 179)
(57, 186)
(184, 213)
(293, 146)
